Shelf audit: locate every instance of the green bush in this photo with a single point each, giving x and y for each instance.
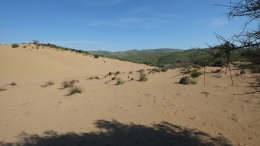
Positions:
(242, 71)
(218, 63)
(196, 74)
(143, 78)
(96, 56)
(196, 66)
(15, 45)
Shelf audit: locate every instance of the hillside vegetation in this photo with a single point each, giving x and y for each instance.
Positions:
(164, 57)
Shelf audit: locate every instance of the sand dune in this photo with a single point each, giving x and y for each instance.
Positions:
(156, 112)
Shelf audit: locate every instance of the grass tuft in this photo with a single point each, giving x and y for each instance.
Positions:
(68, 84)
(75, 90)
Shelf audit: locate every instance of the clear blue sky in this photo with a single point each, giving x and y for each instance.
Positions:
(116, 25)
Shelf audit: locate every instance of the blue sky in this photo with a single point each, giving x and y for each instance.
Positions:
(116, 25)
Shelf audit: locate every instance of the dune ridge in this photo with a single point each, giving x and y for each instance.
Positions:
(159, 111)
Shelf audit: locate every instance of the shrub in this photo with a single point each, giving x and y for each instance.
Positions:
(15, 45)
(187, 80)
(130, 72)
(117, 72)
(96, 56)
(164, 69)
(242, 71)
(218, 63)
(132, 79)
(119, 82)
(75, 90)
(90, 78)
(24, 46)
(196, 66)
(143, 78)
(96, 77)
(196, 74)
(113, 78)
(110, 73)
(68, 84)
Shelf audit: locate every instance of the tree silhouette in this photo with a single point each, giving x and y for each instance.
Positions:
(113, 133)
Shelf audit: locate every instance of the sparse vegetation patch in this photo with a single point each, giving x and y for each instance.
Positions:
(143, 78)
(196, 74)
(2, 89)
(49, 83)
(154, 70)
(68, 84)
(164, 69)
(75, 90)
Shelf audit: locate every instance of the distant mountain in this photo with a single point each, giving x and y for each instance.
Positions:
(133, 53)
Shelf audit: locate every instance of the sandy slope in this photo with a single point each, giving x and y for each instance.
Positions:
(157, 112)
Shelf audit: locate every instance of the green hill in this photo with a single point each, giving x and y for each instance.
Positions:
(133, 53)
(162, 57)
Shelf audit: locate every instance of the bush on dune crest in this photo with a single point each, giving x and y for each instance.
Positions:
(15, 45)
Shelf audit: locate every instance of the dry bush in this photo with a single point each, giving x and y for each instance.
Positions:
(68, 84)
(49, 83)
(75, 90)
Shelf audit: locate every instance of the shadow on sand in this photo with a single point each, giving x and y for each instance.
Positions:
(115, 133)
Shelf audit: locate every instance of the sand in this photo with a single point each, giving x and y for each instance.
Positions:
(159, 111)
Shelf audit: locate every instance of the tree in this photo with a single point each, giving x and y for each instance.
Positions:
(247, 42)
